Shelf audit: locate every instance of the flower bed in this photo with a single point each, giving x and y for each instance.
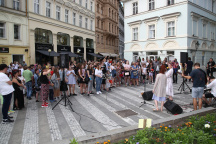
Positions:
(199, 130)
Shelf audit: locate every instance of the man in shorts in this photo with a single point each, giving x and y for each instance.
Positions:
(199, 82)
(211, 95)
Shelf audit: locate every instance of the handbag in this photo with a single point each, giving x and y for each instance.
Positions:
(135, 73)
(127, 73)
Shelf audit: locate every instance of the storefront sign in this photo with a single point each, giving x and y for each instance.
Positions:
(40, 46)
(4, 50)
(89, 50)
(78, 50)
(61, 48)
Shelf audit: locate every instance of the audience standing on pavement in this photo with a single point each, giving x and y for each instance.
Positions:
(98, 75)
(6, 90)
(175, 65)
(210, 67)
(28, 75)
(36, 80)
(199, 82)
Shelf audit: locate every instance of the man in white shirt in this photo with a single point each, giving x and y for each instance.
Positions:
(6, 90)
(211, 95)
(143, 61)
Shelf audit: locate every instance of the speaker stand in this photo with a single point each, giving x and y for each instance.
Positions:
(144, 102)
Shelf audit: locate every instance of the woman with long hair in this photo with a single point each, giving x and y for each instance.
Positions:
(71, 80)
(56, 81)
(134, 73)
(169, 87)
(90, 72)
(98, 75)
(113, 71)
(18, 93)
(82, 75)
(44, 86)
(159, 90)
(127, 69)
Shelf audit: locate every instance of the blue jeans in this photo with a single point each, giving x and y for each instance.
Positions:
(51, 93)
(6, 104)
(197, 92)
(29, 88)
(98, 83)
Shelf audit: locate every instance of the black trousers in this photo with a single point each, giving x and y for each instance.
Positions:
(210, 71)
(175, 77)
(6, 104)
(187, 72)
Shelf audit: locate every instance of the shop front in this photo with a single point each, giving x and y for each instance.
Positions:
(78, 48)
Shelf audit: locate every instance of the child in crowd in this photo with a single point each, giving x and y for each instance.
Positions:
(144, 72)
(151, 71)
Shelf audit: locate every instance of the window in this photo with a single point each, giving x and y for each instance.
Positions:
(135, 8)
(97, 38)
(74, 18)
(98, 7)
(101, 10)
(36, 6)
(135, 34)
(213, 32)
(171, 28)
(80, 2)
(170, 2)
(58, 13)
(66, 15)
(98, 23)
(2, 30)
(204, 31)
(1, 2)
(80, 21)
(91, 7)
(151, 4)
(86, 4)
(112, 28)
(152, 31)
(48, 11)
(86, 23)
(91, 26)
(195, 28)
(109, 12)
(16, 4)
(102, 39)
(109, 27)
(17, 32)
(101, 25)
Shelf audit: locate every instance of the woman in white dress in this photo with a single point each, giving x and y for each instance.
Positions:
(169, 87)
(71, 80)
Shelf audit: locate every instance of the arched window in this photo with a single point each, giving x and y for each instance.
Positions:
(112, 14)
(97, 7)
(109, 12)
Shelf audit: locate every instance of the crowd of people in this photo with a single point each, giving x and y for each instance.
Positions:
(50, 82)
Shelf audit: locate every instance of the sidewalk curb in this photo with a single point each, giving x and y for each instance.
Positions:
(120, 134)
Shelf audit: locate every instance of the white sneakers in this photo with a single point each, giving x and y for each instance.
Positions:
(99, 92)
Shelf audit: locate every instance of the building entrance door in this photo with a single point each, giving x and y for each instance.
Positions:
(17, 58)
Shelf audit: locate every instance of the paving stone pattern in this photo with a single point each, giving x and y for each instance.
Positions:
(96, 113)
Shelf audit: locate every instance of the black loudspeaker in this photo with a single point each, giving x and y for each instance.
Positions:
(183, 57)
(64, 60)
(173, 107)
(147, 95)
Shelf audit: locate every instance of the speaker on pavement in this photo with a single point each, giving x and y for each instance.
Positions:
(64, 60)
(147, 95)
(183, 57)
(173, 107)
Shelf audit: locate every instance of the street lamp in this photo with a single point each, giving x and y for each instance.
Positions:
(49, 50)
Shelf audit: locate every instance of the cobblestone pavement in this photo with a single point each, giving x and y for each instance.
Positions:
(93, 114)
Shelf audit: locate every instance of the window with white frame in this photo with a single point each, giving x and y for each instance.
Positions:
(102, 39)
(16, 4)
(151, 4)
(86, 23)
(80, 2)
(58, 12)
(170, 2)
(66, 15)
(151, 31)
(48, 9)
(91, 25)
(171, 28)
(86, 4)
(36, 6)
(16, 32)
(212, 32)
(135, 34)
(2, 30)
(91, 6)
(1, 2)
(80, 21)
(195, 33)
(135, 8)
(204, 31)
(74, 18)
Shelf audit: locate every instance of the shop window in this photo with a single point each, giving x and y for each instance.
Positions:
(89, 43)
(43, 36)
(78, 41)
(63, 39)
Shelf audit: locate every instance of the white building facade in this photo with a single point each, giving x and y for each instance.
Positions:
(14, 39)
(164, 28)
(61, 25)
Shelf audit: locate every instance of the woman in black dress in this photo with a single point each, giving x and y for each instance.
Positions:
(18, 93)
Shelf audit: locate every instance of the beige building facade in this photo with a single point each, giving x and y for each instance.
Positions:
(14, 42)
(61, 25)
(107, 26)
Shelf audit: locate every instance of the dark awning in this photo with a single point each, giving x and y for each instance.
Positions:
(96, 55)
(70, 54)
(52, 53)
